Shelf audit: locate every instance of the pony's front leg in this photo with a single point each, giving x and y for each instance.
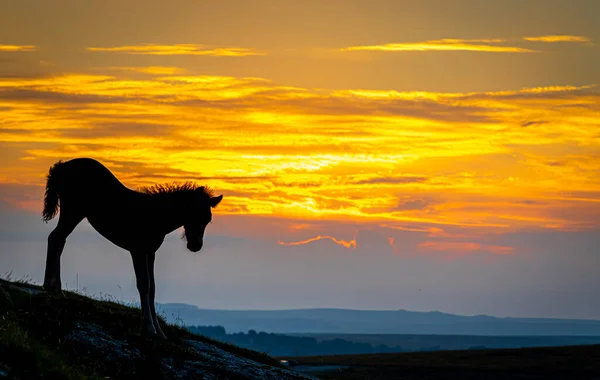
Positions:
(152, 292)
(140, 266)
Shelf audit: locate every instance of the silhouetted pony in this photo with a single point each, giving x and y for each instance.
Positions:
(133, 220)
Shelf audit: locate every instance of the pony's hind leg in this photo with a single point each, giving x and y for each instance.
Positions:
(56, 243)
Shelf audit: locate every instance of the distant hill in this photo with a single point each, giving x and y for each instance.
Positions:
(374, 322)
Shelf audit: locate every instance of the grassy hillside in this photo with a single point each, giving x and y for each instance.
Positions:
(76, 337)
(574, 362)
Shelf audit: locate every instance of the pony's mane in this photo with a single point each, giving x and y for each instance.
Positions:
(171, 188)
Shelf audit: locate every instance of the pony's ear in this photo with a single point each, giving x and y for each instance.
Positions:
(214, 201)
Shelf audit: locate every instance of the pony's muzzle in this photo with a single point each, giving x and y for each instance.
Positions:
(194, 247)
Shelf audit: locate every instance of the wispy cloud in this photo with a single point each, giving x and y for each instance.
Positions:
(180, 49)
(390, 180)
(18, 47)
(152, 70)
(558, 38)
(455, 249)
(448, 44)
(343, 243)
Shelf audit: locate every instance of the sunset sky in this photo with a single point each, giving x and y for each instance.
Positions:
(381, 154)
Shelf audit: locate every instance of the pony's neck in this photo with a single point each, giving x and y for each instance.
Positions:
(172, 210)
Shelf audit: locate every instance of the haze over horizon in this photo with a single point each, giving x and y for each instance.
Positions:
(417, 155)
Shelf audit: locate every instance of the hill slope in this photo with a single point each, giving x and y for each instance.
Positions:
(76, 337)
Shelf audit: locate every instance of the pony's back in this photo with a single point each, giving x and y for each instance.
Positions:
(81, 182)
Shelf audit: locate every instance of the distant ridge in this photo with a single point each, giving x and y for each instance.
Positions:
(349, 321)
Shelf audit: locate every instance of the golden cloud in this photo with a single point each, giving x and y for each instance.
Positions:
(18, 47)
(152, 70)
(417, 162)
(490, 45)
(558, 38)
(180, 49)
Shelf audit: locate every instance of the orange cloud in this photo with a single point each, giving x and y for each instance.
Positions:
(180, 49)
(500, 249)
(438, 232)
(413, 161)
(18, 47)
(394, 248)
(299, 226)
(343, 243)
(490, 45)
(409, 229)
(152, 70)
(457, 249)
(558, 38)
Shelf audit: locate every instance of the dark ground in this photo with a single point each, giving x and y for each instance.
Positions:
(548, 363)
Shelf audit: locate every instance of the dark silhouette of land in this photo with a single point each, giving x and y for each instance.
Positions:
(577, 362)
(136, 221)
(343, 344)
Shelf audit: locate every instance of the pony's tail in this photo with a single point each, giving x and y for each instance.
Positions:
(52, 192)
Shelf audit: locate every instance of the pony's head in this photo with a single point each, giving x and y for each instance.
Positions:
(198, 216)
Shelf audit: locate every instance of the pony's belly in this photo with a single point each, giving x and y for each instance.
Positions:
(113, 230)
(127, 234)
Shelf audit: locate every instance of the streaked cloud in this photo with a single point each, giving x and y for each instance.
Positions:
(343, 243)
(452, 166)
(388, 180)
(180, 49)
(456, 249)
(18, 47)
(152, 70)
(447, 44)
(558, 38)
